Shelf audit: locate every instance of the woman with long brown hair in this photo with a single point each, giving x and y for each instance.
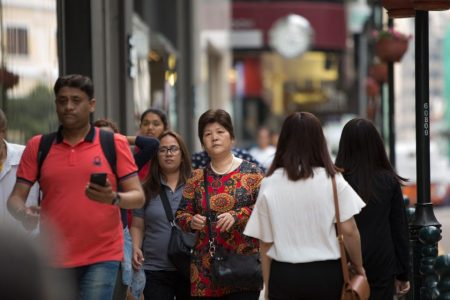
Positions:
(294, 217)
(150, 229)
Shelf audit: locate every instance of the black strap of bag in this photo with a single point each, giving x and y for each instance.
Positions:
(208, 209)
(167, 207)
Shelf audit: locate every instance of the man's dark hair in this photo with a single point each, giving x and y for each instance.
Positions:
(302, 147)
(78, 81)
(215, 116)
(107, 123)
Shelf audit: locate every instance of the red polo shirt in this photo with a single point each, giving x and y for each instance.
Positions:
(81, 231)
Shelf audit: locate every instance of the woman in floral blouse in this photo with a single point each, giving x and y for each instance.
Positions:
(233, 186)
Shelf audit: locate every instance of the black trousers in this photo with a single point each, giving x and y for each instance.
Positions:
(382, 289)
(165, 285)
(321, 280)
(233, 296)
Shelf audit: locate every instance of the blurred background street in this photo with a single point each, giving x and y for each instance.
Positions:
(258, 59)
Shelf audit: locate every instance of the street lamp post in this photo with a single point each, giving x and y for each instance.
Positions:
(424, 228)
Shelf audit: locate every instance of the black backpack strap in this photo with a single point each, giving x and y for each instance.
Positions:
(109, 149)
(44, 147)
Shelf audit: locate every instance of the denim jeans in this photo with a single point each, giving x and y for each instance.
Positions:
(97, 281)
(127, 272)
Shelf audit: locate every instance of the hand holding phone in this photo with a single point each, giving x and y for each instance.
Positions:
(98, 178)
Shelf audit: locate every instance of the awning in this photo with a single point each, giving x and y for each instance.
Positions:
(253, 20)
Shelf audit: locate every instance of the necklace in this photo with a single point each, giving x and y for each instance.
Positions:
(227, 170)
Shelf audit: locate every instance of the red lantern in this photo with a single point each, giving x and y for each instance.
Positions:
(379, 72)
(372, 87)
(399, 8)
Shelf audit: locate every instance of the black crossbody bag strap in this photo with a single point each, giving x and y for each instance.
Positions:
(167, 207)
(208, 209)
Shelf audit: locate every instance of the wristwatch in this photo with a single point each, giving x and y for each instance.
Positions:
(116, 200)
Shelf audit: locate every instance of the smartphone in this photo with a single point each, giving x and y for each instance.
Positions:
(98, 178)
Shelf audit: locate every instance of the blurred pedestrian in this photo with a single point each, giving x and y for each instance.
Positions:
(233, 186)
(80, 217)
(263, 152)
(151, 229)
(153, 123)
(148, 147)
(10, 155)
(383, 221)
(294, 217)
(25, 274)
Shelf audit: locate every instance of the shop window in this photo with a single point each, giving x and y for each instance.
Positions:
(17, 40)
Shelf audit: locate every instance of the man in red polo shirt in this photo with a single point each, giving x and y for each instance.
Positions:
(81, 219)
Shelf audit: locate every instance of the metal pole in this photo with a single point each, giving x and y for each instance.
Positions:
(391, 106)
(424, 215)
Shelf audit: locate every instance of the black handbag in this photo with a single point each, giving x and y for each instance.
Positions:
(181, 244)
(232, 269)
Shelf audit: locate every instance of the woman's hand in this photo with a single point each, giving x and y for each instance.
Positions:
(225, 221)
(198, 222)
(401, 287)
(138, 259)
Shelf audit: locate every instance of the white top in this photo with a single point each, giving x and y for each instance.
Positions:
(298, 217)
(8, 180)
(263, 156)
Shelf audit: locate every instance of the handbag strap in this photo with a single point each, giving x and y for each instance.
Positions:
(340, 236)
(208, 209)
(167, 207)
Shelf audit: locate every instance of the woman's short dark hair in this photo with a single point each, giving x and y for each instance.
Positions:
(302, 147)
(78, 81)
(161, 114)
(215, 116)
(362, 153)
(152, 185)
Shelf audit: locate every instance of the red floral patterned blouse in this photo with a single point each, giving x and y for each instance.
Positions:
(235, 192)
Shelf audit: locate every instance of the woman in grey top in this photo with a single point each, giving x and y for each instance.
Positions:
(150, 229)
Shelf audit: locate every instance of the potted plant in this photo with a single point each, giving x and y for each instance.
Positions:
(399, 8)
(390, 44)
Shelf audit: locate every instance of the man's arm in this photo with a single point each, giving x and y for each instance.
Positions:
(131, 193)
(28, 216)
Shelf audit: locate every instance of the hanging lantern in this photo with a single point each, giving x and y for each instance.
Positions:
(379, 72)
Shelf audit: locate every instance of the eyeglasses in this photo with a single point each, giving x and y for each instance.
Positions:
(171, 149)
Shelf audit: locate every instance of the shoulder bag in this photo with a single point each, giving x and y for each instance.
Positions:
(181, 244)
(232, 270)
(356, 287)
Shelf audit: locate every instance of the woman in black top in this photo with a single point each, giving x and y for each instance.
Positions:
(382, 223)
